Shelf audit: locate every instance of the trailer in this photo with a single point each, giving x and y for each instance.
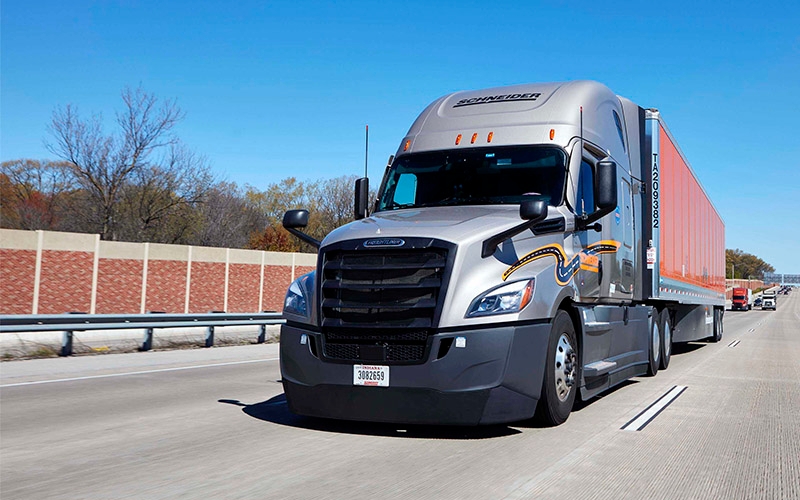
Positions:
(530, 245)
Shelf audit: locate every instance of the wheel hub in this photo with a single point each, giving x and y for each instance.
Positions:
(565, 367)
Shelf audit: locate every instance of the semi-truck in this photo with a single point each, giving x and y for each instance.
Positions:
(529, 245)
(769, 300)
(742, 299)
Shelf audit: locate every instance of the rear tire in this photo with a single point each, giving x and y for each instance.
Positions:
(654, 339)
(666, 338)
(561, 374)
(717, 336)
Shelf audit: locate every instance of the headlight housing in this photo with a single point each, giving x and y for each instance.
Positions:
(298, 296)
(508, 298)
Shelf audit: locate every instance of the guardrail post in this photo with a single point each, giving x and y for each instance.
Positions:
(66, 343)
(262, 334)
(147, 343)
(210, 336)
(210, 331)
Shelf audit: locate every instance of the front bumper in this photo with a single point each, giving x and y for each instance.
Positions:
(495, 378)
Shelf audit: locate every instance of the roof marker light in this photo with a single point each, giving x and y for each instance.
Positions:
(489, 138)
(552, 133)
(474, 138)
(407, 145)
(458, 140)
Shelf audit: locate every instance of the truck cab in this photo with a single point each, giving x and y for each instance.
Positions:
(742, 299)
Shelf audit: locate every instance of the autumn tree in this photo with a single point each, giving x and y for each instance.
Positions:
(329, 202)
(33, 193)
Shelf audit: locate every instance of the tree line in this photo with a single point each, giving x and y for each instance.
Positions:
(742, 265)
(140, 183)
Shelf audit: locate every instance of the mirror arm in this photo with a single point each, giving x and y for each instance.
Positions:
(303, 236)
(491, 243)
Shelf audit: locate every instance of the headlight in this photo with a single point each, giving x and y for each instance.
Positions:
(509, 298)
(296, 301)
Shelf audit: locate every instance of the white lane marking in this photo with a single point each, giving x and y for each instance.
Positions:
(734, 343)
(641, 420)
(751, 330)
(144, 372)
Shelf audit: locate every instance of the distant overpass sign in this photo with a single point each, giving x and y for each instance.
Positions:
(783, 279)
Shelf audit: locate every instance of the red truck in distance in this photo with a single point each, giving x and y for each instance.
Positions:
(742, 299)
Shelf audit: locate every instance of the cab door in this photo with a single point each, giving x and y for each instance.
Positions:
(587, 279)
(622, 278)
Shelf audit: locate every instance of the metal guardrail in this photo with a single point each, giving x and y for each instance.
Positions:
(69, 323)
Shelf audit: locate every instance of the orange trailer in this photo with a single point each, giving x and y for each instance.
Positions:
(686, 241)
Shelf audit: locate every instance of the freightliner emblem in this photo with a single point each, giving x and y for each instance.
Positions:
(384, 242)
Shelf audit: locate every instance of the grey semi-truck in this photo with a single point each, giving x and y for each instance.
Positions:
(529, 245)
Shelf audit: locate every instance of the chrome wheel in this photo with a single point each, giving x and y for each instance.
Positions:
(667, 338)
(565, 369)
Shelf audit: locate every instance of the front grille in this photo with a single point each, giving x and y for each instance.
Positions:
(399, 348)
(379, 305)
(381, 288)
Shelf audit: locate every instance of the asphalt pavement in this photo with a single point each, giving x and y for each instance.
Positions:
(212, 423)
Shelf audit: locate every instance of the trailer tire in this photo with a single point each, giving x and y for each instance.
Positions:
(561, 374)
(666, 338)
(717, 326)
(654, 339)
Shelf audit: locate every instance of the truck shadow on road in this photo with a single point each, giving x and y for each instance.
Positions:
(685, 347)
(276, 410)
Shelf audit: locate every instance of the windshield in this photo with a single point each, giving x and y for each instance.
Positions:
(476, 176)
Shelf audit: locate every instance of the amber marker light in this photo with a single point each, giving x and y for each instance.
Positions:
(407, 145)
(458, 139)
(474, 138)
(552, 133)
(489, 138)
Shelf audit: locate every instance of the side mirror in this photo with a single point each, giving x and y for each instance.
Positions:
(362, 198)
(295, 218)
(605, 187)
(533, 210)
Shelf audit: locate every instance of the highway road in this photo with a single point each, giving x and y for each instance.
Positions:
(212, 423)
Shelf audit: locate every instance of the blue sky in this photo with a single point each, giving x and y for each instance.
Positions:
(279, 89)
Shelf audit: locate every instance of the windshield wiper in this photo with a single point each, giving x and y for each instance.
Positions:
(459, 200)
(397, 206)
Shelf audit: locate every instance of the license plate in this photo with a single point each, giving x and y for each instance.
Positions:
(371, 375)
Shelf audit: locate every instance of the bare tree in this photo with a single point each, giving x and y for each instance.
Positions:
(103, 164)
(155, 193)
(228, 219)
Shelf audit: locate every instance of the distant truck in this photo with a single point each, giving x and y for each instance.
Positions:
(529, 245)
(769, 300)
(742, 299)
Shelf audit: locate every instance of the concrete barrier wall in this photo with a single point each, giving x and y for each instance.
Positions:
(730, 284)
(49, 272)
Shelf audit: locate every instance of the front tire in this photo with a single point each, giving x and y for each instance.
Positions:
(561, 374)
